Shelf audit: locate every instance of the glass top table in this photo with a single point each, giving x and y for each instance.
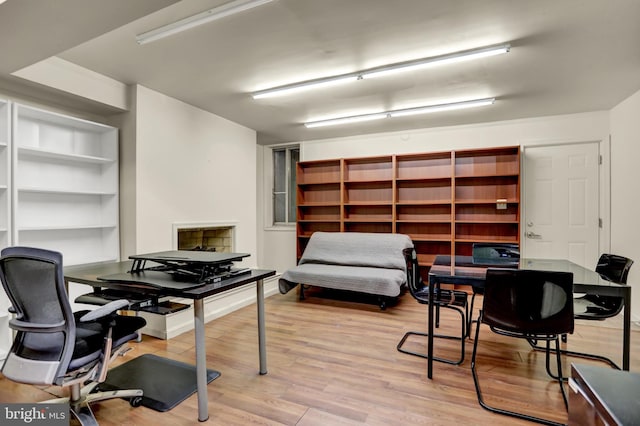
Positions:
(470, 271)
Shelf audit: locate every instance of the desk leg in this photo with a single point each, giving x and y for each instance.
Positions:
(432, 284)
(626, 338)
(201, 360)
(261, 327)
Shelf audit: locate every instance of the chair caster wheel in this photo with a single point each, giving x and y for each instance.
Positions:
(136, 401)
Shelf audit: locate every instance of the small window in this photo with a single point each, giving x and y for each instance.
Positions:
(284, 184)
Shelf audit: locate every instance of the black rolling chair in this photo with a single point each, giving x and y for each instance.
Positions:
(444, 298)
(52, 344)
(526, 304)
(487, 253)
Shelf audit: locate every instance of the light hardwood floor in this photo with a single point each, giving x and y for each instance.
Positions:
(335, 362)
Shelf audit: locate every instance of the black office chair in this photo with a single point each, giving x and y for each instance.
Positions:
(487, 253)
(53, 345)
(526, 304)
(444, 298)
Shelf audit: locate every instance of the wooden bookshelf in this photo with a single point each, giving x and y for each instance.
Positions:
(445, 201)
(487, 197)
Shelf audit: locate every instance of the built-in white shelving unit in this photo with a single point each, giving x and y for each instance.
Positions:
(65, 185)
(58, 190)
(5, 218)
(5, 175)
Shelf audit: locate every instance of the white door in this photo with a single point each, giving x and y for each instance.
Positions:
(561, 199)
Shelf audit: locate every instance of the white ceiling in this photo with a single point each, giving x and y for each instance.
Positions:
(567, 56)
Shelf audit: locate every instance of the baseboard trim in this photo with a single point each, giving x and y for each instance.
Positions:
(171, 325)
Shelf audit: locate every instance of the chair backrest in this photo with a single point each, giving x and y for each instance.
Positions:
(614, 268)
(45, 327)
(414, 279)
(528, 302)
(495, 250)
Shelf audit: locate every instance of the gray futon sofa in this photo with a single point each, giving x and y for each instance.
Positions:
(370, 263)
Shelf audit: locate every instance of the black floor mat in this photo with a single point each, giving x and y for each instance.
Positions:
(165, 382)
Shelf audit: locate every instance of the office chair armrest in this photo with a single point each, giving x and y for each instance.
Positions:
(104, 310)
(19, 325)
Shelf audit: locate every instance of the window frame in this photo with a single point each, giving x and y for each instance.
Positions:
(289, 186)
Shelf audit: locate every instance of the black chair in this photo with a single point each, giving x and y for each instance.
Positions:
(52, 344)
(613, 268)
(488, 253)
(444, 298)
(526, 304)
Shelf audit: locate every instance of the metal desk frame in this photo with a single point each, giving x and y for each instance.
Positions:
(88, 274)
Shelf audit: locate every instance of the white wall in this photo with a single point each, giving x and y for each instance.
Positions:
(190, 166)
(555, 129)
(71, 78)
(625, 200)
(586, 127)
(184, 165)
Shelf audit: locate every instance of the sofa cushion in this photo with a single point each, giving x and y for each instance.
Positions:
(379, 281)
(357, 249)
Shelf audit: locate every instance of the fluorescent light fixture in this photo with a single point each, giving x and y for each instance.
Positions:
(442, 107)
(464, 55)
(299, 87)
(227, 9)
(436, 60)
(402, 112)
(345, 120)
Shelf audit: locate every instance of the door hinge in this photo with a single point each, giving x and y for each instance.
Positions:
(600, 160)
(599, 222)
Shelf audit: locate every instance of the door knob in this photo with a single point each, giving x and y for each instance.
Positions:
(533, 235)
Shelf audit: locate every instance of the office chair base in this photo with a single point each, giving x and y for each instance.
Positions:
(80, 407)
(444, 360)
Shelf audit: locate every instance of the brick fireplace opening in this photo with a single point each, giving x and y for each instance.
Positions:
(218, 238)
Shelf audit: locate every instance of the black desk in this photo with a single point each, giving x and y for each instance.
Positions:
(466, 270)
(88, 274)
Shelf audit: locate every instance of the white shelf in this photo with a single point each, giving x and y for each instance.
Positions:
(63, 228)
(47, 154)
(64, 191)
(60, 119)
